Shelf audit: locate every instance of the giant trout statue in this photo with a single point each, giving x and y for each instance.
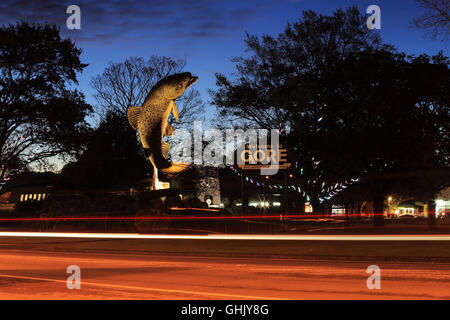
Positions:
(152, 122)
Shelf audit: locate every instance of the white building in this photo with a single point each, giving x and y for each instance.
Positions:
(443, 202)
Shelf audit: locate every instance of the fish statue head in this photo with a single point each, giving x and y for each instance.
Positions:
(175, 85)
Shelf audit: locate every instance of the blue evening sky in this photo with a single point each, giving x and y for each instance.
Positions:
(207, 33)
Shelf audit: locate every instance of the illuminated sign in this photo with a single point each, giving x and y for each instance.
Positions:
(260, 157)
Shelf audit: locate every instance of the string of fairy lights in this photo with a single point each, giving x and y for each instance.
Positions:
(327, 193)
(8, 177)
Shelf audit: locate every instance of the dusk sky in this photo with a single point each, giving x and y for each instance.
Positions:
(206, 33)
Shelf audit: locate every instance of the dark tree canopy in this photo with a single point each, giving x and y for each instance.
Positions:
(112, 159)
(40, 116)
(352, 106)
(385, 120)
(305, 48)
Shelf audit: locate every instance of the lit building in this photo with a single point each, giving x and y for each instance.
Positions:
(443, 202)
(409, 208)
(31, 193)
(338, 210)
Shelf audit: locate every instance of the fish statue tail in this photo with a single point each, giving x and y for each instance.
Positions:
(161, 163)
(176, 168)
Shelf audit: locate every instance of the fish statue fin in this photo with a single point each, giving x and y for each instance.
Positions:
(169, 130)
(176, 168)
(133, 114)
(175, 110)
(165, 147)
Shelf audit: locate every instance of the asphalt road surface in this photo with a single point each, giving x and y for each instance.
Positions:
(36, 269)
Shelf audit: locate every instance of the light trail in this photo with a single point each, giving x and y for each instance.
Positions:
(187, 217)
(127, 287)
(196, 209)
(270, 237)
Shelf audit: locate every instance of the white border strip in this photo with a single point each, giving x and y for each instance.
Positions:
(444, 237)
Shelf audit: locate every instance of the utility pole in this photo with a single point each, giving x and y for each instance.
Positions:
(286, 208)
(244, 203)
(264, 196)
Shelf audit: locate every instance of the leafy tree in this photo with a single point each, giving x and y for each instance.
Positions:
(386, 122)
(40, 116)
(112, 158)
(305, 48)
(273, 86)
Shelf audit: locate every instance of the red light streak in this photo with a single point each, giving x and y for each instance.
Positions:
(187, 218)
(196, 209)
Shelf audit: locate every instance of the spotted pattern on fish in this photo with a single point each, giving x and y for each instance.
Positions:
(152, 119)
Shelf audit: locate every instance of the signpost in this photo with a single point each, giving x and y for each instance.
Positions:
(261, 157)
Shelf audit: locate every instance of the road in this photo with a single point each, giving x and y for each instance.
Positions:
(34, 271)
